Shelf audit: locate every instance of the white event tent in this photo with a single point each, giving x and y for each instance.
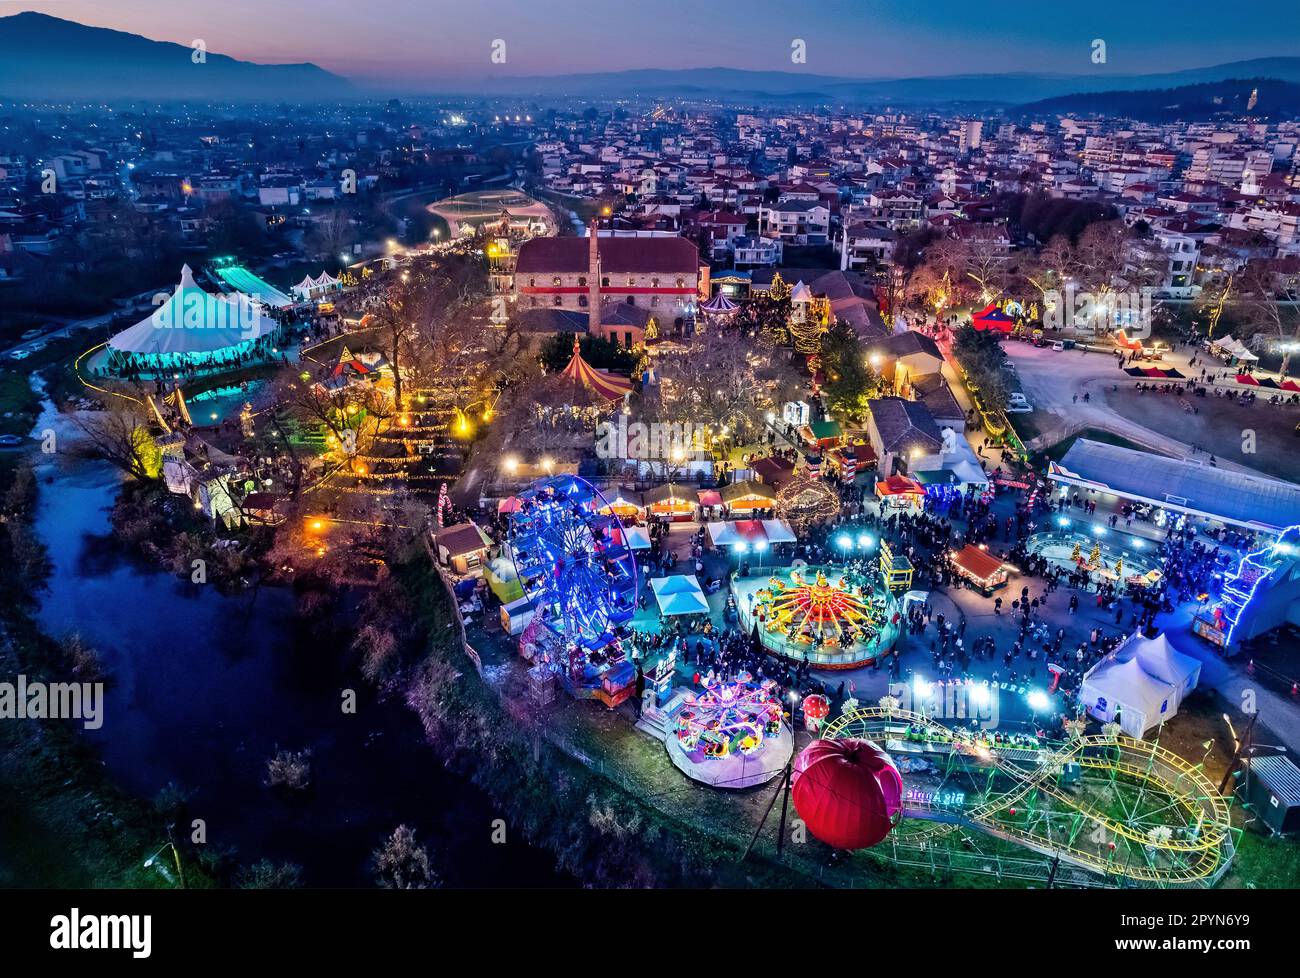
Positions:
(1140, 685)
(193, 324)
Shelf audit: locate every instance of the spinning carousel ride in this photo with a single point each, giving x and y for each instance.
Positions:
(730, 717)
(582, 579)
(732, 735)
(832, 618)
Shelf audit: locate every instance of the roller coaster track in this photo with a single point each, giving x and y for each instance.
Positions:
(1177, 832)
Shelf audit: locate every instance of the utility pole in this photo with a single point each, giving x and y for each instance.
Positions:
(1242, 747)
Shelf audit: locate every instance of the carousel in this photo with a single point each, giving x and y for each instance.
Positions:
(830, 617)
(732, 735)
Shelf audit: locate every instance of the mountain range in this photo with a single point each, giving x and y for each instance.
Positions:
(43, 57)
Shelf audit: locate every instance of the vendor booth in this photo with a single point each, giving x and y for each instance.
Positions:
(899, 490)
(748, 497)
(981, 569)
(671, 501)
(624, 504)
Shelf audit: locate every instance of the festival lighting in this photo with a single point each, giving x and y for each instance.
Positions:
(1038, 700)
(1063, 521)
(866, 542)
(844, 541)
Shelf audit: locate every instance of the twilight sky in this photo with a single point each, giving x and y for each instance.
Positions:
(408, 42)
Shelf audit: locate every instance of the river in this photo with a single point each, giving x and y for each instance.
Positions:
(205, 687)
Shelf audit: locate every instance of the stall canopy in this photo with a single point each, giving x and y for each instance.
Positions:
(899, 485)
(1160, 659)
(991, 317)
(670, 494)
(637, 538)
(750, 494)
(750, 532)
(979, 564)
(679, 594)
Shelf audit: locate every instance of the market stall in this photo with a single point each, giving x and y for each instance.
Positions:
(671, 501)
(981, 569)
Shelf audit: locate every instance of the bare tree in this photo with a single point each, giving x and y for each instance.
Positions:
(121, 435)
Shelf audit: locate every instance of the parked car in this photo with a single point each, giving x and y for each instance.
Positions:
(20, 354)
(9, 441)
(1017, 403)
(31, 334)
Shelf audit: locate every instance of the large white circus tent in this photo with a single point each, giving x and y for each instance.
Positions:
(194, 325)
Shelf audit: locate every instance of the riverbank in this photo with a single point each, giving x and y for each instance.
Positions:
(64, 823)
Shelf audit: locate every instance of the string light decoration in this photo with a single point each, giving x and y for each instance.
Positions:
(803, 502)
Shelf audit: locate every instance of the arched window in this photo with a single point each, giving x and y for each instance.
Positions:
(582, 280)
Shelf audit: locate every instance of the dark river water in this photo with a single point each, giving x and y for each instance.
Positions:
(205, 687)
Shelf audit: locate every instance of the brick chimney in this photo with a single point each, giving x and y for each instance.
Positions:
(593, 279)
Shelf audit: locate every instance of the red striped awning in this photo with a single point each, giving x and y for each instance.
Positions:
(607, 385)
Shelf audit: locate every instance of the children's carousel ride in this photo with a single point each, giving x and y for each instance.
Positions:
(733, 734)
(834, 619)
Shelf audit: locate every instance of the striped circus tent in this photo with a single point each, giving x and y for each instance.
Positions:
(607, 385)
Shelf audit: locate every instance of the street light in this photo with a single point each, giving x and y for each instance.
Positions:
(866, 541)
(760, 547)
(175, 854)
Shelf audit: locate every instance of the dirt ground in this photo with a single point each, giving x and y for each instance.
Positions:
(1218, 426)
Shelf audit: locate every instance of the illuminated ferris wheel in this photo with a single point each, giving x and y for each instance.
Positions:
(573, 560)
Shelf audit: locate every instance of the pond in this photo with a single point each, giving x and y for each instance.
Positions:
(205, 687)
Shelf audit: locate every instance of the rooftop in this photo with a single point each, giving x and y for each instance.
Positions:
(1238, 498)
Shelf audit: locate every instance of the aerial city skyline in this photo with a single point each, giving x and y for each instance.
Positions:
(708, 448)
